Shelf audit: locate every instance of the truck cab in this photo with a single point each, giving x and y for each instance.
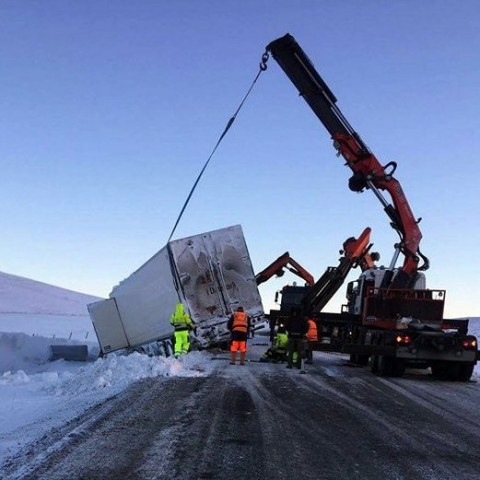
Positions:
(371, 278)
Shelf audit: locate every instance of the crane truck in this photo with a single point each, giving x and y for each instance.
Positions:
(391, 320)
(355, 252)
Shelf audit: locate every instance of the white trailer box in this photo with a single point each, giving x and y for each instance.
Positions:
(210, 273)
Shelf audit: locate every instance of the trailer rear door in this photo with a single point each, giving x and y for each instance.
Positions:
(108, 325)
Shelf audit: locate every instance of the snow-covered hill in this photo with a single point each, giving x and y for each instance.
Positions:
(22, 295)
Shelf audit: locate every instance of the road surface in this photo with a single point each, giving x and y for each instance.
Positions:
(263, 421)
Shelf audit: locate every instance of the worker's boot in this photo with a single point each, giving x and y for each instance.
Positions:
(233, 356)
(242, 358)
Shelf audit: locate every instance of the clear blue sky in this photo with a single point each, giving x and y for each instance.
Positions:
(108, 111)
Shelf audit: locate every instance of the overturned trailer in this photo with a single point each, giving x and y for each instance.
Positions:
(211, 273)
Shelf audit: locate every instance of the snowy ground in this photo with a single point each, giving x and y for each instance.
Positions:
(37, 395)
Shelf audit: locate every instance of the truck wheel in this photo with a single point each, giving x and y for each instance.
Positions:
(398, 368)
(465, 371)
(362, 359)
(358, 359)
(385, 366)
(374, 364)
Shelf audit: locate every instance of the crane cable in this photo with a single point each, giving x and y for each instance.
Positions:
(263, 67)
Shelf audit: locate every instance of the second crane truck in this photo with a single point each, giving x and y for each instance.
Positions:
(391, 319)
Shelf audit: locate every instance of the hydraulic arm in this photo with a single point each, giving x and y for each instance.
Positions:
(355, 253)
(368, 172)
(276, 268)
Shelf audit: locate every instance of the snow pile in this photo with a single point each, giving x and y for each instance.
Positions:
(37, 395)
(115, 372)
(118, 372)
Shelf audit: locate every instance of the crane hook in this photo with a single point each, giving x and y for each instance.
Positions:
(263, 63)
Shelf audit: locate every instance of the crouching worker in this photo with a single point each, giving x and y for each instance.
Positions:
(278, 351)
(182, 323)
(239, 325)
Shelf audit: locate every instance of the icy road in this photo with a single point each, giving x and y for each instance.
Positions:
(263, 421)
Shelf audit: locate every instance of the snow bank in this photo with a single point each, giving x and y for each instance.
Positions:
(115, 372)
(36, 395)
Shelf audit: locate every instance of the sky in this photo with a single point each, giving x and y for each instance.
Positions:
(109, 110)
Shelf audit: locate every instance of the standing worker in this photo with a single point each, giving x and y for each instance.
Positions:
(239, 325)
(296, 327)
(182, 323)
(312, 336)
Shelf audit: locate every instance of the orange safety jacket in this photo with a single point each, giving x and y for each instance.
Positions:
(240, 322)
(312, 334)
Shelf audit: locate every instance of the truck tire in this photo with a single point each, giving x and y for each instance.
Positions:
(374, 364)
(385, 366)
(358, 359)
(454, 371)
(362, 359)
(465, 372)
(398, 368)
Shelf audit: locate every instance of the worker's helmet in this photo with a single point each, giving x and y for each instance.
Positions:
(240, 309)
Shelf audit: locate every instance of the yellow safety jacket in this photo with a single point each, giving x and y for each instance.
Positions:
(181, 320)
(280, 343)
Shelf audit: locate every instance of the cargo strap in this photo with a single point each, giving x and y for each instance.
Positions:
(263, 67)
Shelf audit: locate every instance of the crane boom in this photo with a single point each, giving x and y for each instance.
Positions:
(368, 172)
(277, 266)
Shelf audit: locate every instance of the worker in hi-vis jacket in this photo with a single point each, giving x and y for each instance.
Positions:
(239, 326)
(182, 323)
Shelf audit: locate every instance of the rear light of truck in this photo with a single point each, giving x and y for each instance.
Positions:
(470, 343)
(402, 339)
